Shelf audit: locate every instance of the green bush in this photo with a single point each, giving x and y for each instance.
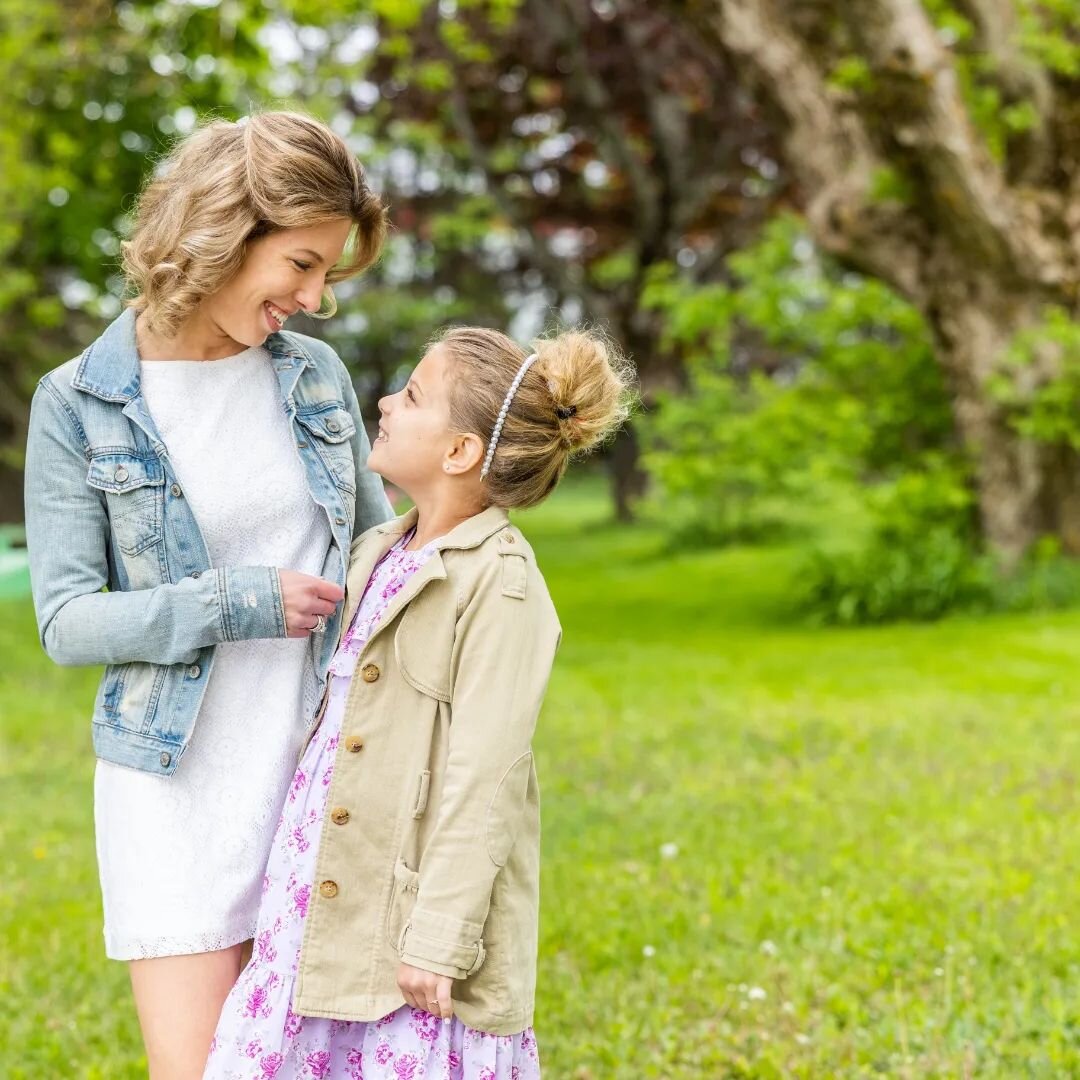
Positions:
(804, 384)
(915, 559)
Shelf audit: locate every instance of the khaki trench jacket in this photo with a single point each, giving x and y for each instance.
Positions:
(430, 848)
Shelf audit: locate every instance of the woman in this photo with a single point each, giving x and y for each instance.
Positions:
(207, 469)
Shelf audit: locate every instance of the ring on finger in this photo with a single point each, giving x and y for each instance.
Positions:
(320, 624)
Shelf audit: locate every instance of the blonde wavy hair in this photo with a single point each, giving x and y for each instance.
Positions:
(228, 183)
(574, 397)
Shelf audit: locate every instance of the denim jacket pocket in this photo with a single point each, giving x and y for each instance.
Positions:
(131, 484)
(332, 430)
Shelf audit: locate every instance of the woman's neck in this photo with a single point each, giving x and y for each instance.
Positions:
(197, 339)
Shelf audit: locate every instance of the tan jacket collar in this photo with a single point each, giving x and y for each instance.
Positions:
(470, 533)
(377, 541)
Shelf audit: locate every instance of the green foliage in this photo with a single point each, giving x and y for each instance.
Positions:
(851, 73)
(91, 95)
(1047, 33)
(1038, 380)
(1046, 580)
(888, 184)
(914, 559)
(803, 383)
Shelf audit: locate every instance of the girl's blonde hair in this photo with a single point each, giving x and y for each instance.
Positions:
(226, 184)
(575, 395)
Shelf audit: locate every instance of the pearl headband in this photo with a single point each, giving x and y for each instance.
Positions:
(497, 430)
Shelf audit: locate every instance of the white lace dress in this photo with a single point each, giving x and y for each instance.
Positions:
(181, 858)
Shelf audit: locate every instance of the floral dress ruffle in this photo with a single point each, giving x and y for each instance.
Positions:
(259, 1037)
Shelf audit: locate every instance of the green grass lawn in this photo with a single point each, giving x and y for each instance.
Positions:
(770, 850)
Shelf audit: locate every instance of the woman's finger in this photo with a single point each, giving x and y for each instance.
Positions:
(327, 590)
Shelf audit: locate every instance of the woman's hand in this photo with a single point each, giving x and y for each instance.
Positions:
(426, 991)
(305, 599)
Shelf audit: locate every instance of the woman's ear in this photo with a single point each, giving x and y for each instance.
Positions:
(466, 452)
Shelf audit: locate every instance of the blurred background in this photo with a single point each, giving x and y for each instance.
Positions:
(810, 753)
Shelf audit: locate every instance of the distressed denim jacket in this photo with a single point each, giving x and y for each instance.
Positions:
(104, 510)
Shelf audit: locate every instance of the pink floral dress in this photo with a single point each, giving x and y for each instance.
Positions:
(259, 1037)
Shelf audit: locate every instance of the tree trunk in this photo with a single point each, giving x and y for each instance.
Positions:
(628, 480)
(11, 495)
(980, 245)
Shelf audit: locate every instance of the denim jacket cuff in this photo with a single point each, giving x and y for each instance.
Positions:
(250, 602)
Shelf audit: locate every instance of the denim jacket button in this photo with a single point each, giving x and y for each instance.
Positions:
(194, 671)
(120, 475)
(340, 520)
(332, 425)
(177, 491)
(196, 573)
(165, 759)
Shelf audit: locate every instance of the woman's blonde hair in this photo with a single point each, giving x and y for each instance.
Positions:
(574, 396)
(226, 184)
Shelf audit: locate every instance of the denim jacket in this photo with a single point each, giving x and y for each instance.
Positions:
(104, 511)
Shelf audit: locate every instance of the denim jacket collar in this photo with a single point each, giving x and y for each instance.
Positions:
(109, 368)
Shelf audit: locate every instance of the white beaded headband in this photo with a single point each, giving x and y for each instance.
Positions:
(497, 430)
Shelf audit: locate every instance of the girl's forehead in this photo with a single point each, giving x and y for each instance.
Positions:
(432, 367)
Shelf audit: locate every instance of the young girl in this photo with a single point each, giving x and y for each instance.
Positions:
(398, 926)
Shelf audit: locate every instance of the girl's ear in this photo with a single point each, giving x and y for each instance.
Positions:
(466, 452)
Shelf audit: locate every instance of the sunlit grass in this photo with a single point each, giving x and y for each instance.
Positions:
(769, 850)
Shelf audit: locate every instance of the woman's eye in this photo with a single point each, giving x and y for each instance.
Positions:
(409, 394)
(300, 265)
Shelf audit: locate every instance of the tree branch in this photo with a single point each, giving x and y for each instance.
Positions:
(930, 123)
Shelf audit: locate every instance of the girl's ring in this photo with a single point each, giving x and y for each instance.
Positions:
(320, 624)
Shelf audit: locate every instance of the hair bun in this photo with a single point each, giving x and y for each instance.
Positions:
(589, 380)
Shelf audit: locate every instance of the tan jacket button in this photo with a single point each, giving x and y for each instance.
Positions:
(353, 744)
(370, 673)
(508, 537)
(328, 889)
(339, 815)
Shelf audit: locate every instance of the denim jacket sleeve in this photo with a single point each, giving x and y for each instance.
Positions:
(68, 535)
(372, 505)
(504, 650)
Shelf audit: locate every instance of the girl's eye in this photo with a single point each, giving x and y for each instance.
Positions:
(300, 265)
(409, 394)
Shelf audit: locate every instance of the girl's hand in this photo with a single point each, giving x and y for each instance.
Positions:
(426, 991)
(305, 598)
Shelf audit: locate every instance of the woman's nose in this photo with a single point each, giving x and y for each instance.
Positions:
(309, 296)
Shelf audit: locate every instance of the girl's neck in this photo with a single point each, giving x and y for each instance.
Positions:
(437, 519)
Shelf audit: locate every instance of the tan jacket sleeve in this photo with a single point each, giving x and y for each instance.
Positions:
(505, 645)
